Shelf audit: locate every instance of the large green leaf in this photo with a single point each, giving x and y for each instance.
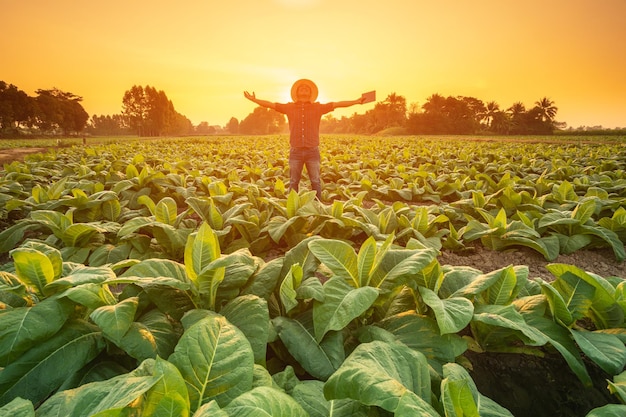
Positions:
(169, 396)
(166, 211)
(264, 401)
(605, 349)
(400, 266)
(288, 287)
(604, 311)
(342, 304)
(43, 368)
(495, 326)
(79, 234)
(365, 260)
(22, 328)
(157, 268)
(453, 314)
(558, 305)
(251, 315)
(97, 397)
(264, 280)
(81, 275)
(460, 397)
(216, 360)
(320, 359)
(11, 236)
(560, 338)
(203, 248)
(150, 336)
(310, 395)
(609, 237)
(115, 320)
(422, 334)
(609, 410)
(497, 287)
(34, 268)
(577, 294)
(380, 374)
(339, 257)
(19, 407)
(55, 221)
(302, 255)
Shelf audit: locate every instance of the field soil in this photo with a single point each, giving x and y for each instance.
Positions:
(526, 385)
(17, 154)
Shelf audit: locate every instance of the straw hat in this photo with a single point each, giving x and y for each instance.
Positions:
(304, 81)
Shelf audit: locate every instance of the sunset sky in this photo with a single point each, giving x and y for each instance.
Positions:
(204, 53)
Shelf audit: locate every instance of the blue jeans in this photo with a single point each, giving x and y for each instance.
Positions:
(309, 157)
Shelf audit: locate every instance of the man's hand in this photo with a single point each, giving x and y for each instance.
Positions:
(249, 96)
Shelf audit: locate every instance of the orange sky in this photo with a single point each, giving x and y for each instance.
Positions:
(205, 53)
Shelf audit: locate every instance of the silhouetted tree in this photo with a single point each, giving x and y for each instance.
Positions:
(233, 126)
(59, 109)
(108, 125)
(547, 109)
(16, 108)
(491, 109)
(135, 108)
(391, 112)
(151, 113)
(262, 121)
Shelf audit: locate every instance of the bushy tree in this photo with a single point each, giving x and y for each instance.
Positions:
(107, 125)
(262, 121)
(56, 109)
(16, 108)
(151, 113)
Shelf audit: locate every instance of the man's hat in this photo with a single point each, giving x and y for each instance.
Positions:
(309, 83)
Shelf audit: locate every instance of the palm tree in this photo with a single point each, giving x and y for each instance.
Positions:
(547, 109)
(517, 109)
(517, 112)
(491, 109)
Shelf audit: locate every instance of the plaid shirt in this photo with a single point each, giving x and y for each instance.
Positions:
(304, 122)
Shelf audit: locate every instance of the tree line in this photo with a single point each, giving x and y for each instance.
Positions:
(147, 111)
(50, 111)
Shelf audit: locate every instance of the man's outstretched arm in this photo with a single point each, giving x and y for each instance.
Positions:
(263, 103)
(348, 103)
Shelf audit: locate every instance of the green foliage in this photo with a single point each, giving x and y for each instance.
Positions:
(151, 286)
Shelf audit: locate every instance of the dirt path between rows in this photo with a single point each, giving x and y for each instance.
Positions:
(18, 154)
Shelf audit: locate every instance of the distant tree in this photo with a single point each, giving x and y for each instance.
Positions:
(205, 129)
(477, 111)
(151, 113)
(463, 114)
(547, 109)
(391, 112)
(108, 125)
(451, 115)
(262, 121)
(517, 113)
(16, 108)
(233, 126)
(491, 109)
(500, 123)
(59, 109)
(135, 109)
